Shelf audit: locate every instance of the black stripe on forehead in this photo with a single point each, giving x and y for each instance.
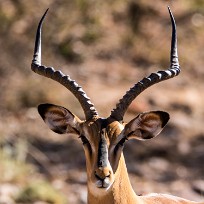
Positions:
(102, 150)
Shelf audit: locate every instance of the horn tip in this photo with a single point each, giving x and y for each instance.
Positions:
(47, 10)
(45, 13)
(169, 10)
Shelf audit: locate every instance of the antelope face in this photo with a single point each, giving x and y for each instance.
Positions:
(103, 139)
(101, 151)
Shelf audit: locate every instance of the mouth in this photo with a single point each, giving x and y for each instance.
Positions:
(103, 184)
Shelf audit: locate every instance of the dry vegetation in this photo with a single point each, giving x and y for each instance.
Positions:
(107, 46)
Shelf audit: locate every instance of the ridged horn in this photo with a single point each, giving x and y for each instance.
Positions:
(49, 72)
(154, 78)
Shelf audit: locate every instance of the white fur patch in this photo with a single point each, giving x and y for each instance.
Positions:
(98, 192)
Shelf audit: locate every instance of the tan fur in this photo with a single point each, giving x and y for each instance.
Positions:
(121, 192)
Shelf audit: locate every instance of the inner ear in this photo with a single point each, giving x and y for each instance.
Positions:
(58, 118)
(146, 125)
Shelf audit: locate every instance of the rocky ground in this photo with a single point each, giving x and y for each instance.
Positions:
(107, 47)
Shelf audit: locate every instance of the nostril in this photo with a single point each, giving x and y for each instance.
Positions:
(97, 176)
(108, 174)
(102, 175)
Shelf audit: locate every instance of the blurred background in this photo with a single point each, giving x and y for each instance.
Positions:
(106, 46)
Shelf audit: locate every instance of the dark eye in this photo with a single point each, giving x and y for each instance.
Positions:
(86, 143)
(120, 144)
(122, 141)
(83, 139)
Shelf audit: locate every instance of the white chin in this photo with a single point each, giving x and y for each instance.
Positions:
(103, 184)
(98, 188)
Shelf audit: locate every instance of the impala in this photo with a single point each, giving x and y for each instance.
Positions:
(104, 138)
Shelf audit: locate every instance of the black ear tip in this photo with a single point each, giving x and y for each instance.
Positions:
(42, 108)
(164, 117)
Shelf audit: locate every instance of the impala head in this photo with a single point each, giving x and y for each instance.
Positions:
(103, 138)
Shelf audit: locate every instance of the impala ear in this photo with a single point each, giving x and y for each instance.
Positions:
(59, 119)
(146, 125)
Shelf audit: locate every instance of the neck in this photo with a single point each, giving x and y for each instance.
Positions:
(120, 191)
